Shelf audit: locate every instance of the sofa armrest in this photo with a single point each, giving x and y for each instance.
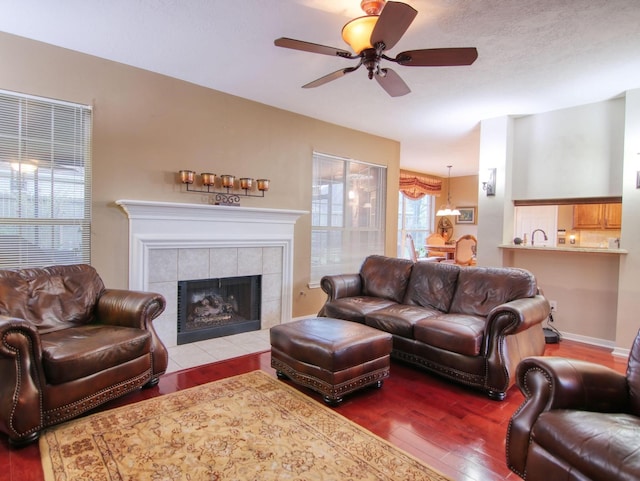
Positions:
(521, 315)
(129, 308)
(339, 286)
(559, 383)
(22, 379)
(513, 332)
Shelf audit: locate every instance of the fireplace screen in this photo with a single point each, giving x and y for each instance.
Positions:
(211, 308)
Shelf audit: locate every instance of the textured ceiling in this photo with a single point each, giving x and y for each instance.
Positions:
(534, 56)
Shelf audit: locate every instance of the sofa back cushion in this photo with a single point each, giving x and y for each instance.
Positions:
(385, 277)
(480, 289)
(51, 298)
(432, 284)
(633, 376)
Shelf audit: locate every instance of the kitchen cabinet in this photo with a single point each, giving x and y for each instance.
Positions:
(597, 216)
(612, 216)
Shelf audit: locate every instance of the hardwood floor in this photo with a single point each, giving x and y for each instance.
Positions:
(453, 429)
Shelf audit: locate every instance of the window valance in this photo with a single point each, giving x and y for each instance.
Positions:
(416, 186)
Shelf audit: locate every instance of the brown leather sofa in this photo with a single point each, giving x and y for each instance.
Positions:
(580, 421)
(470, 324)
(68, 344)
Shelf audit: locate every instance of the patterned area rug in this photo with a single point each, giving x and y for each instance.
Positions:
(248, 427)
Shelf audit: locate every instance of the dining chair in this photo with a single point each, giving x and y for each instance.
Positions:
(466, 249)
(436, 239)
(412, 248)
(414, 254)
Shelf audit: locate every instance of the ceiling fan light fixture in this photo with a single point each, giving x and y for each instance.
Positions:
(370, 37)
(357, 32)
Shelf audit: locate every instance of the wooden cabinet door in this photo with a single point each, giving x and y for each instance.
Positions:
(613, 216)
(587, 216)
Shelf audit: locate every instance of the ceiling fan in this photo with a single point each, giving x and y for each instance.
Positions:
(370, 36)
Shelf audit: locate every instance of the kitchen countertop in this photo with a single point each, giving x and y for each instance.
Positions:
(590, 250)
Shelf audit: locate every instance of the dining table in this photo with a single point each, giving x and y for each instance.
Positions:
(448, 249)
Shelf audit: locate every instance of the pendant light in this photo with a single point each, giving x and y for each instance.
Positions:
(448, 210)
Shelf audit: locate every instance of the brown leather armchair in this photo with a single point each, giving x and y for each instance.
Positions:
(580, 421)
(68, 344)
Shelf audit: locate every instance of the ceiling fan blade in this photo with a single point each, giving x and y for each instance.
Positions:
(328, 78)
(393, 22)
(392, 83)
(311, 47)
(437, 57)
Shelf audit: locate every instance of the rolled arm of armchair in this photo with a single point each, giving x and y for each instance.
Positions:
(339, 286)
(559, 383)
(574, 384)
(136, 309)
(22, 379)
(129, 308)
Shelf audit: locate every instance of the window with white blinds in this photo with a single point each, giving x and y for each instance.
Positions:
(45, 182)
(348, 214)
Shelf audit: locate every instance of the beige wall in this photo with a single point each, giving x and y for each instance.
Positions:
(147, 127)
(464, 193)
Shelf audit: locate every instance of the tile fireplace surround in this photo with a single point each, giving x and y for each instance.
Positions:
(171, 242)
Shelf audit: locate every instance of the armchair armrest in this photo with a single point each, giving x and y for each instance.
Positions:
(339, 286)
(22, 378)
(573, 384)
(559, 383)
(119, 307)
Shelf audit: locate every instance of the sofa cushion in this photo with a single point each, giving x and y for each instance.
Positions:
(480, 289)
(432, 284)
(398, 319)
(598, 445)
(50, 298)
(354, 308)
(385, 277)
(459, 333)
(78, 352)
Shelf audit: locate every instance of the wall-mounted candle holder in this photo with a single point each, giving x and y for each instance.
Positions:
(226, 182)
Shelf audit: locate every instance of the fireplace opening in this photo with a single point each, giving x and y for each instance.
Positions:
(209, 308)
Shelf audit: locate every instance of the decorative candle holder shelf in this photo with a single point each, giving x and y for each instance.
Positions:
(226, 182)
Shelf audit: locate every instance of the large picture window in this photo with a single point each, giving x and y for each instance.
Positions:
(348, 214)
(415, 217)
(45, 182)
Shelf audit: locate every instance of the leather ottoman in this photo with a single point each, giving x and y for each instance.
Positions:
(330, 356)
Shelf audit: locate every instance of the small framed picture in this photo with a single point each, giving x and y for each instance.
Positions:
(467, 215)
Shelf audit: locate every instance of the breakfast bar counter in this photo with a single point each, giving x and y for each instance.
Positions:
(588, 250)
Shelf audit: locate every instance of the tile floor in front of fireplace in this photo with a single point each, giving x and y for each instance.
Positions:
(218, 349)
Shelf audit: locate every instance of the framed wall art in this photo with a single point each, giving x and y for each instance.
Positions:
(467, 215)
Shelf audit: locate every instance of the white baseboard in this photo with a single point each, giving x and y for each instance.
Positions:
(621, 352)
(594, 341)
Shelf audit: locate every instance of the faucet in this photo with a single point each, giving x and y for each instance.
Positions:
(534, 233)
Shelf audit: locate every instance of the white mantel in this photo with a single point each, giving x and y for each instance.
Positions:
(190, 241)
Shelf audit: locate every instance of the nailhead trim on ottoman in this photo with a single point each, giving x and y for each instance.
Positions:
(331, 356)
